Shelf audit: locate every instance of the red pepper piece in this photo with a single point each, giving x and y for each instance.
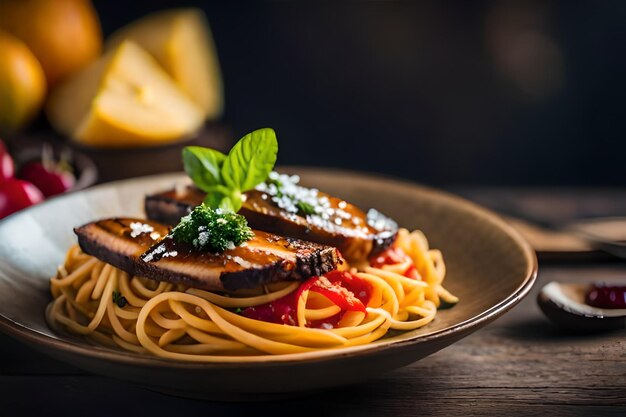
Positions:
(390, 256)
(281, 311)
(347, 291)
(393, 256)
(339, 295)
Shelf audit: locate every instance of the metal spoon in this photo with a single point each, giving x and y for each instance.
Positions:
(564, 304)
(607, 234)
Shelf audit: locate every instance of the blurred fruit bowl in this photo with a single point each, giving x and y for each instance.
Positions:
(129, 108)
(157, 82)
(38, 172)
(83, 169)
(118, 163)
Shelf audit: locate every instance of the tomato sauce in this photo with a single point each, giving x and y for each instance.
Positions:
(392, 256)
(348, 291)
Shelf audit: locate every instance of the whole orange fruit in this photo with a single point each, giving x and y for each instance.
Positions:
(22, 84)
(64, 35)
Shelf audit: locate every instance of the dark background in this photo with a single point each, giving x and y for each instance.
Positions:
(440, 92)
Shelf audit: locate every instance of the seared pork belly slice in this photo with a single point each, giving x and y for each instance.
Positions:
(263, 259)
(120, 241)
(140, 247)
(346, 227)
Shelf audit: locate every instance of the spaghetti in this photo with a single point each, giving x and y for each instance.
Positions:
(401, 289)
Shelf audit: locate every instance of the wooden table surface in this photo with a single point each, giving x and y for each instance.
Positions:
(518, 365)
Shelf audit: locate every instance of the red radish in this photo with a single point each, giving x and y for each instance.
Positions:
(7, 168)
(51, 181)
(17, 194)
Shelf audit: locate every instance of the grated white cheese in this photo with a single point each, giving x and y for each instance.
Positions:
(203, 237)
(291, 194)
(138, 228)
(379, 221)
(159, 249)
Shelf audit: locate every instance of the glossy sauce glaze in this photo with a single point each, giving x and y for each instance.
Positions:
(261, 250)
(338, 223)
(339, 216)
(137, 232)
(169, 206)
(120, 241)
(264, 258)
(140, 248)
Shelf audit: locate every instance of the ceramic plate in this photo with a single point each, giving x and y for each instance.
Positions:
(490, 268)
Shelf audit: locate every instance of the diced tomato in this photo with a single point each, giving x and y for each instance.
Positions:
(339, 295)
(347, 291)
(281, 311)
(390, 256)
(359, 288)
(393, 256)
(412, 273)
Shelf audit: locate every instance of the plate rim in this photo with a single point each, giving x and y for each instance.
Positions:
(86, 350)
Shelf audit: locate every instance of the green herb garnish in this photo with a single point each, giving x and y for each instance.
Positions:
(213, 230)
(278, 183)
(305, 208)
(225, 177)
(119, 299)
(284, 191)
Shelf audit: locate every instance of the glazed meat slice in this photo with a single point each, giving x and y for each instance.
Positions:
(264, 259)
(344, 226)
(140, 247)
(169, 206)
(120, 241)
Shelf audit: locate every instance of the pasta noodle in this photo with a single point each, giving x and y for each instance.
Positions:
(173, 321)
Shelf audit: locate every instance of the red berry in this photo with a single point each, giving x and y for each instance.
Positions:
(17, 194)
(7, 168)
(50, 182)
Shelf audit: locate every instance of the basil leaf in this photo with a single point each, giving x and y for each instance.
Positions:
(251, 160)
(220, 196)
(216, 200)
(203, 165)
